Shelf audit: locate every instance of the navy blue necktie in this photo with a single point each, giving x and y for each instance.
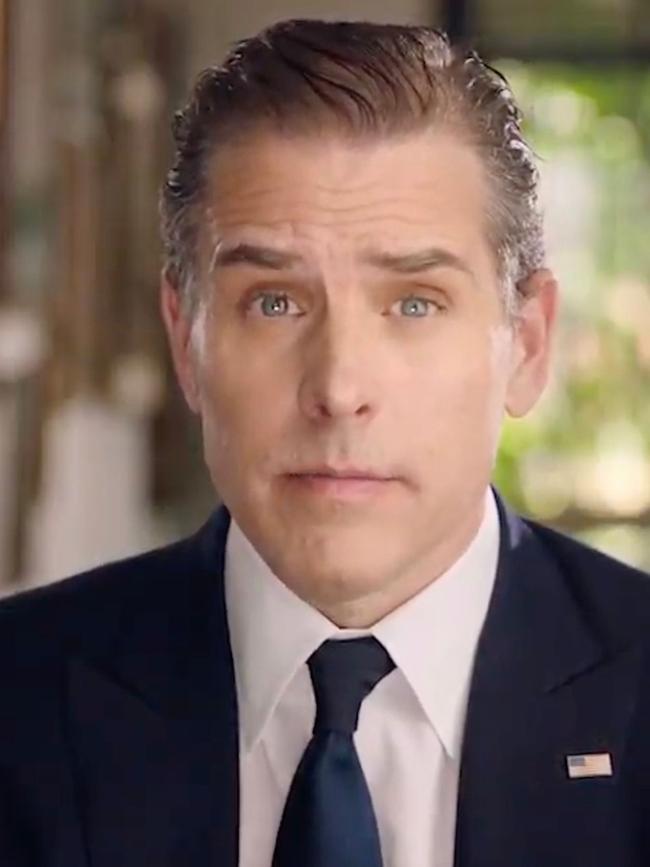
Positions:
(328, 818)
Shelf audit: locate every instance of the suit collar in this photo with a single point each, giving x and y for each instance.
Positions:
(431, 638)
(168, 644)
(535, 630)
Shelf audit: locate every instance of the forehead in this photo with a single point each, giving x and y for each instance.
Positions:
(427, 187)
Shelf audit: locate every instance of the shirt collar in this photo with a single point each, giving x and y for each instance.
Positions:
(432, 638)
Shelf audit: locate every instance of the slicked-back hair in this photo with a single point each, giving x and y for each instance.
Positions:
(364, 81)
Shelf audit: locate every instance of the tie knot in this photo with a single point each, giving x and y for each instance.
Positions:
(343, 673)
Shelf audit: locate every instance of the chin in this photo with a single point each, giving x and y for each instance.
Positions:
(328, 589)
(334, 576)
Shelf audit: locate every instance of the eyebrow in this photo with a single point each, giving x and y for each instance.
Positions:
(418, 261)
(256, 255)
(415, 262)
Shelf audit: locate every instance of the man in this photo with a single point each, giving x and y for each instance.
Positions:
(363, 658)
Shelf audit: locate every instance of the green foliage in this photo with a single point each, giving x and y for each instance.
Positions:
(591, 130)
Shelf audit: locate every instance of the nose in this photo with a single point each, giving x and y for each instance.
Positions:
(340, 372)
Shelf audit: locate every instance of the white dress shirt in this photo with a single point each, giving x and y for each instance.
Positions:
(410, 726)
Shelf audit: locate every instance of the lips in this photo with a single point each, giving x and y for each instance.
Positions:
(350, 484)
(352, 473)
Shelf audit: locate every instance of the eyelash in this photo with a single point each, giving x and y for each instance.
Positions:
(284, 296)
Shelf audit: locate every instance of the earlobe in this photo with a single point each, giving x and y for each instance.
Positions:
(178, 326)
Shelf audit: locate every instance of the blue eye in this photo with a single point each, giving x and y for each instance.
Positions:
(274, 305)
(415, 308)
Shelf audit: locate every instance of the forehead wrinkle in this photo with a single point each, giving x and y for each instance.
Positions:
(282, 170)
(234, 186)
(322, 204)
(244, 222)
(273, 211)
(338, 200)
(342, 199)
(400, 234)
(385, 249)
(285, 191)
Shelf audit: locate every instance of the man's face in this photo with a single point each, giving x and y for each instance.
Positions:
(352, 323)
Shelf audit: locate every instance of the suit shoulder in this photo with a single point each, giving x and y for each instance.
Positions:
(97, 617)
(599, 563)
(91, 597)
(616, 593)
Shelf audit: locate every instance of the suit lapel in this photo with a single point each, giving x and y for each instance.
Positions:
(153, 725)
(544, 687)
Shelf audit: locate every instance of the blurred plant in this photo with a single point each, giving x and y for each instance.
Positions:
(582, 458)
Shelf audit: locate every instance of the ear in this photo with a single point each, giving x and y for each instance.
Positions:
(178, 325)
(533, 329)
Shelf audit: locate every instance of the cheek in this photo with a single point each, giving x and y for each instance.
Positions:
(244, 406)
(460, 390)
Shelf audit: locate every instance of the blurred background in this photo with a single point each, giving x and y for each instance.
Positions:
(98, 456)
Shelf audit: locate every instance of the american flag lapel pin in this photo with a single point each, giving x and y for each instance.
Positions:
(589, 765)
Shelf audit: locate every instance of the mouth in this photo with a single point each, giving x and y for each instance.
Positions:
(342, 483)
(343, 472)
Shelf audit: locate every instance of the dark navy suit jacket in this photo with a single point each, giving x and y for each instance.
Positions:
(118, 713)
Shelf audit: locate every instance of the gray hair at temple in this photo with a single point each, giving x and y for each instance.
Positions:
(361, 80)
